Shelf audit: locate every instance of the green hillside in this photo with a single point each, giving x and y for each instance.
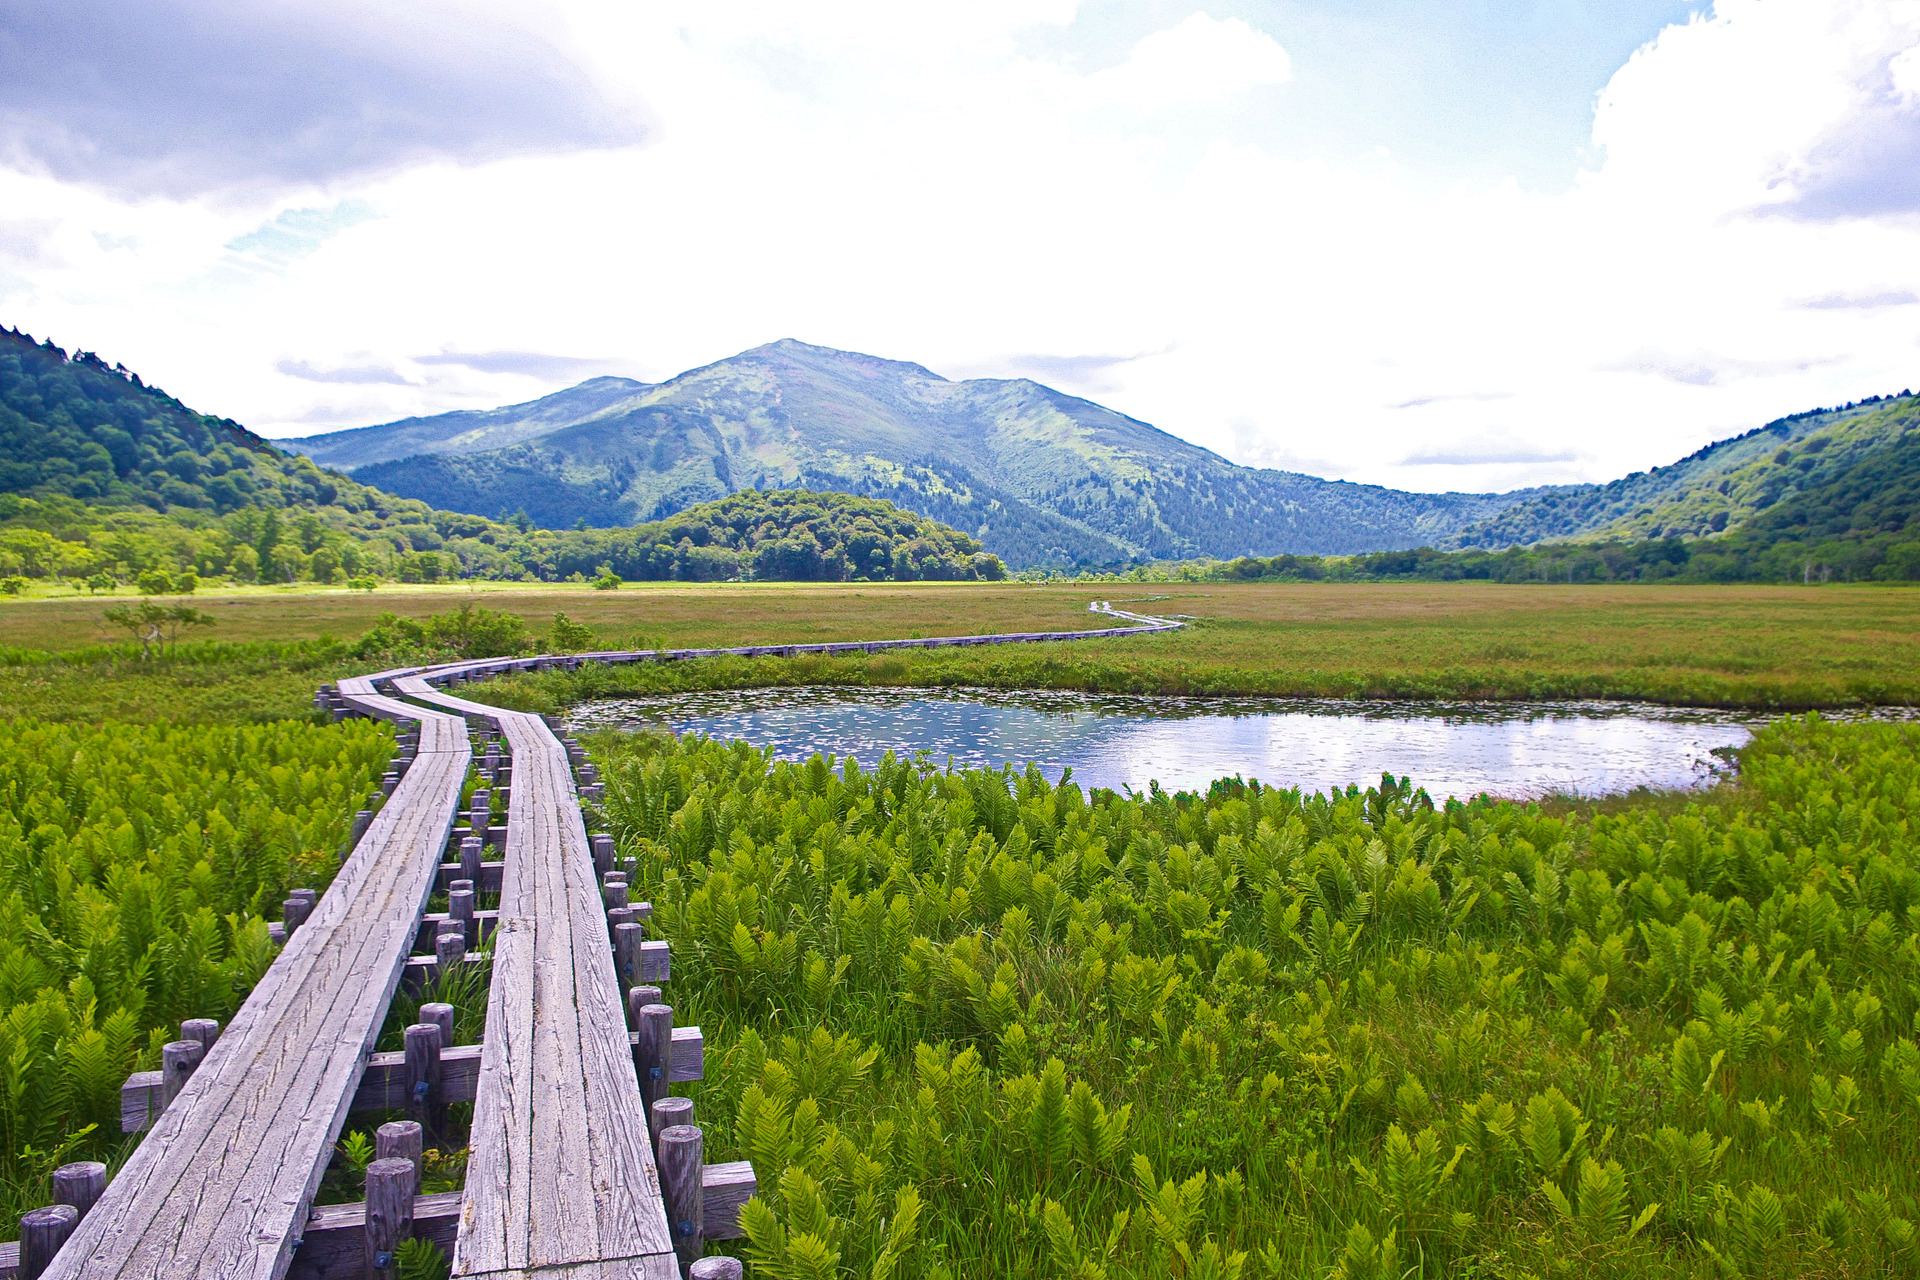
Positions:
(1718, 489)
(1878, 494)
(793, 535)
(79, 428)
(108, 479)
(1039, 477)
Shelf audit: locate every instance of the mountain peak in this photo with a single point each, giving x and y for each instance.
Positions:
(1039, 476)
(792, 351)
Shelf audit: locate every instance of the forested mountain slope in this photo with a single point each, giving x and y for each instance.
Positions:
(105, 477)
(1720, 487)
(1038, 476)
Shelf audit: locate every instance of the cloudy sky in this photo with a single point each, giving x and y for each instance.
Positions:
(1416, 242)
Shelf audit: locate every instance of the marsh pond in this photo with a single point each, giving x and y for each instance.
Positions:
(1517, 750)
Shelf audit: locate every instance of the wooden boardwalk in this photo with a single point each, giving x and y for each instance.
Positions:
(562, 1171)
(224, 1181)
(562, 1179)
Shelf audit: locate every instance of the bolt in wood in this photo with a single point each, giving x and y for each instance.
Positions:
(650, 1053)
(680, 1160)
(441, 1016)
(400, 1140)
(177, 1062)
(79, 1184)
(716, 1268)
(42, 1232)
(423, 1077)
(205, 1030)
(664, 1114)
(626, 952)
(390, 1191)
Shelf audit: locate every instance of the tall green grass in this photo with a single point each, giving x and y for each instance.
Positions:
(970, 1023)
(138, 867)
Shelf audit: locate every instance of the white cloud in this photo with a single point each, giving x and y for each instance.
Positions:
(920, 183)
(1201, 59)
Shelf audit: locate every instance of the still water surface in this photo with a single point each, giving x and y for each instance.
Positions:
(1451, 749)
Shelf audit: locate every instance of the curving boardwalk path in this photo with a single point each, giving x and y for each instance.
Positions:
(562, 1179)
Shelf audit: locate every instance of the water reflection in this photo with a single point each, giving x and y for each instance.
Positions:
(1505, 749)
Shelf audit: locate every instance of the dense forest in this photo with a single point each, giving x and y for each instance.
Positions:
(107, 481)
(1850, 523)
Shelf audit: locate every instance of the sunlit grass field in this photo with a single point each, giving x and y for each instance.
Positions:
(1740, 646)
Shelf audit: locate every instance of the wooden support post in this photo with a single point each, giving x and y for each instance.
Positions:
(205, 1030)
(450, 948)
(388, 781)
(441, 1016)
(424, 1104)
(716, 1268)
(311, 896)
(390, 1189)
(680, 1159)
(42, 1232)
(293, 913)
(361, 820)
(651, 1050)
(460, 909)
(639, 998)
(79, 1184)
(664, 1114)
(401, 1140)
(626, 952)
(614, 894)
(470, 851)
(177, 1061)
(602, 851)
(617, 917)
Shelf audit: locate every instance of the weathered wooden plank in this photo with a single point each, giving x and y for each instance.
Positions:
(561, 1176)
(223, 1182)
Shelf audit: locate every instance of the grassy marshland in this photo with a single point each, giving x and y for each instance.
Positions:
(140, 866)
(1719, 646)
(970, 1024)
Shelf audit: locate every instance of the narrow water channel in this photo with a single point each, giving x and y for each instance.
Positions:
(1519, 750)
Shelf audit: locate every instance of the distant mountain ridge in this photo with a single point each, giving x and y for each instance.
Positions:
(1038, 476)
(1729, 485)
